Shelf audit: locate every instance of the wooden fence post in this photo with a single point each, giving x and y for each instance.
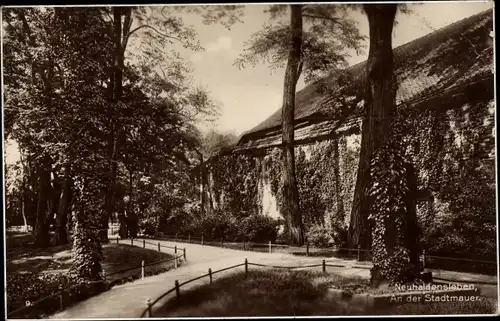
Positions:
(359, 247)
(61, 297)
(175, 262)
(117, 240)
(246, 267)
(210, 275)
(270, 247)
(307, 249)
(175, 249)
(159, 250)
(184, 250)
(189, 238)
(177, 290)
(324, 266)
(244, 249)
(142, 269)
(143, 244)
(148, 304)
(201, 239)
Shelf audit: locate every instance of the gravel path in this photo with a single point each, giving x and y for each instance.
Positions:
(129, 300)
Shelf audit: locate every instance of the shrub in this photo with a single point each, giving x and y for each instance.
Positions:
(148, 228)
(32, 287)
(339, 236)
(319, 236)
(214, 226)
(259, 228)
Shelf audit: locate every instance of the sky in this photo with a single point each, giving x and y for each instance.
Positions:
(248, 96)
(251, 95)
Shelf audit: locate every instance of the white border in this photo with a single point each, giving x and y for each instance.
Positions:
(270, 3)
(249, 3)
(496, 151)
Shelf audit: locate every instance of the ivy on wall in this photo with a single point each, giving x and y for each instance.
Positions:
(317, 181)
(236, 184)
(457, 164)
(449, 150)
(450, 153)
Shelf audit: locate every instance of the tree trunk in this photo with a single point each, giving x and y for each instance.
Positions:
(63, 210)
(412, 229)
(202, 186)
(379, 105)
(340, 215)
(131, 216)
(290, 190)
(42, 229)
(115, 95)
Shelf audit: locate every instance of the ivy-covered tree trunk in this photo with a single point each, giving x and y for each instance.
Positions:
(412, 227)
(87, 250)
(42, 229)
(290, 191)
(379, 105)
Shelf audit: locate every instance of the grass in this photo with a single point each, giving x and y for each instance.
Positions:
(293, 293)
(58, 259)
(36, 273)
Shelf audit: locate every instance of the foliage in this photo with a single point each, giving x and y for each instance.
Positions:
(328, 35)
(317, 182)
(222, 226)
(239, 192)
(123, 130)
(319, 236)
(453, 154)
(31, 287)
(214, 226)
(259, 228)
(388, 211)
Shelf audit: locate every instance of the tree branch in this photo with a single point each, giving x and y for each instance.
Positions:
(312, 16)
(156, 30)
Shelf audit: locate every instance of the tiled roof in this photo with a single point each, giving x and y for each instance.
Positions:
(448, 57)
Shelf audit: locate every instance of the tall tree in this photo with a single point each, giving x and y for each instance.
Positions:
(379, 106)
(313, 48)
(290, 190)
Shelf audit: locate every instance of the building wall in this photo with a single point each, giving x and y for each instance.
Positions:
(460, 121)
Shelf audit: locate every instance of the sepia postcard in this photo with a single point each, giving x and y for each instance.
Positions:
(249, 160)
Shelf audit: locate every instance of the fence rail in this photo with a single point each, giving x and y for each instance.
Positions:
(106, 281)
(148, 311)
(307, 250)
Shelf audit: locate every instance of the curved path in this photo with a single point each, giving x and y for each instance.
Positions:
(129, 300)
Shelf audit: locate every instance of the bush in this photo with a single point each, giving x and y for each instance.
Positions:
(339, 235)
(319, 236)
(259, 228)
(32, 287)
(215, 226)
(148, 228)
